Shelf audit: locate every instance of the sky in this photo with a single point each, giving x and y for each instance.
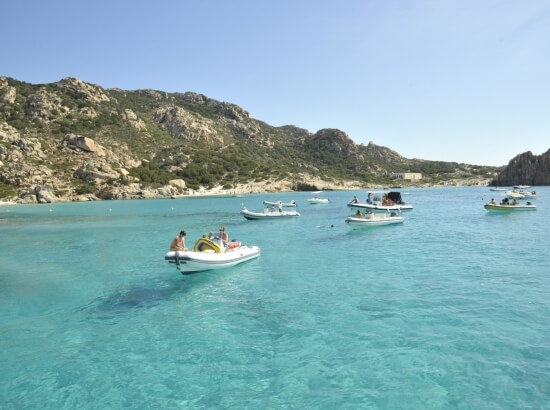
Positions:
(465, 81)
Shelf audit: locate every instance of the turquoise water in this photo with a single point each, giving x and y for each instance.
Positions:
(449, 310)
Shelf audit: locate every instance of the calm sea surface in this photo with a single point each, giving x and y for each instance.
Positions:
(449, 310)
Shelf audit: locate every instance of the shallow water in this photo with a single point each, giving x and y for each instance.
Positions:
(448, 310)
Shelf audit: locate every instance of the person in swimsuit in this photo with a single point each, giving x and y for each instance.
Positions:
(224, 237)
(178, 243)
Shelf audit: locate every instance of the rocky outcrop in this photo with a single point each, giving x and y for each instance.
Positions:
(182, 124)
(8, 133)
(133, 119)
(231, 111)
(135, 191)
(525, 169)
(45, 106)
(7, 93)
(177, 183)
(44, 194)
(79, 142)
(96, 172)
(87, 92)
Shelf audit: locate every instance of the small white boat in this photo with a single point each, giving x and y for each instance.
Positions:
(497, 188)
(317, 198)
(520, 194)
(513, 194)
(529, 195)
(376, 204)
(281, 203)
(207, 255)
(521, 186)
(509, 206)
(372, 219)
(268, 213)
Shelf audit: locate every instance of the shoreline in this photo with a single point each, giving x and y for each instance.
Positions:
(252, 188)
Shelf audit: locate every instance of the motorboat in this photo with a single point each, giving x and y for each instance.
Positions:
(374, 202)
(506, 205)
(317, 198)
(496, 188)
(290, 204)
(521, 186)
(372, 219)
(520, 194)
(513, 194)
(269, 213)
(208, 254)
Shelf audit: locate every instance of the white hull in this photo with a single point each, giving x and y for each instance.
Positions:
(285, 204)
(519, 207)
(318, 200)
(376, 220)
(268, 214)
(192, 261)
(380, 208)
(521, 194)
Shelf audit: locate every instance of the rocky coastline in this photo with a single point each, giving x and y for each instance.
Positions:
(139, 191)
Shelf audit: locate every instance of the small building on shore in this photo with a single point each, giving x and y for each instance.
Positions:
(407, 176)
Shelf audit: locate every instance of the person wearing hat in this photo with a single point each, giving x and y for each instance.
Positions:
(178, 244)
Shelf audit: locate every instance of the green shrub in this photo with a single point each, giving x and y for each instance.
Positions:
(7, 191)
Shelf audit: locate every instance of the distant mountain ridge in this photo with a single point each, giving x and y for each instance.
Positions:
(72, 140)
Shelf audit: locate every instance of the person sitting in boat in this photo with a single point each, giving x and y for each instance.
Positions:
(211, 235)
(493, 201)
(358, 214)
(178, 243)
(514, 202)
(224, 237)
(504, 201)
(369, 198)
(355, 199)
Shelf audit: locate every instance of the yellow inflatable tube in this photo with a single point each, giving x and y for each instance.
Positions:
(205, 244)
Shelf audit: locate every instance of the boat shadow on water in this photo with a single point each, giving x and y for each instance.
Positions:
(127, 301)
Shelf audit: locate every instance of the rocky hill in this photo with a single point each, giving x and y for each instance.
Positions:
(71, 140)
(525, 169)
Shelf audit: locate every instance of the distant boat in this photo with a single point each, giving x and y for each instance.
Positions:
(515, 194)
(317, 198)
(376, 204)
(521, 186)
(372, 219)
(506, 205)
(268, 213)
(496, 188)
(281, 203)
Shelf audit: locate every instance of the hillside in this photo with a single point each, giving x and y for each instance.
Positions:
(71, 140)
